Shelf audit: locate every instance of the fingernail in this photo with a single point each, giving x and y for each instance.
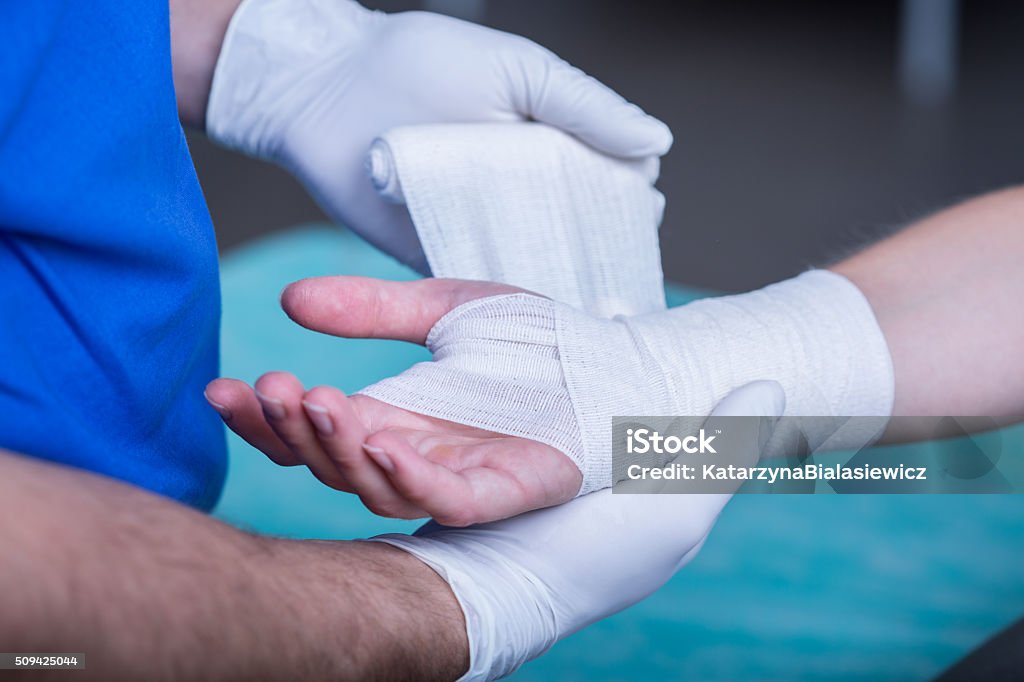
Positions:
(272, 407)
(223, 411)
(380, 457)
(320, 417)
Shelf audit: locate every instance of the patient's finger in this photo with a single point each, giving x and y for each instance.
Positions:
(280, 394)
(236, 402)
(341, 433)
(361, 307)
(445, 495)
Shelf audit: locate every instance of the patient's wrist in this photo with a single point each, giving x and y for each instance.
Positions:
(815, 334)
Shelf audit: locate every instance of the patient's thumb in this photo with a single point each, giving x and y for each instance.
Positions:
(363, 307)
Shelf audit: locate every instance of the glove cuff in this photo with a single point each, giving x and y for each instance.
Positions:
(508, 616)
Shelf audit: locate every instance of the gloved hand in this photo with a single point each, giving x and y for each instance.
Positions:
(310, 84)
(527, 582)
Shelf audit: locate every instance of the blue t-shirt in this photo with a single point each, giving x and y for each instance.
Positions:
(109, 299)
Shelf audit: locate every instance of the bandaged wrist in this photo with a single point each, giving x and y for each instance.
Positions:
(530, 367)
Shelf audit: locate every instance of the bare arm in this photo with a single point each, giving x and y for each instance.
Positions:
(948, 293)
(146, 588)
(197, 32)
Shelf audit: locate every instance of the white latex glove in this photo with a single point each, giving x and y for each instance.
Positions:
(310, 84)
(526, 582)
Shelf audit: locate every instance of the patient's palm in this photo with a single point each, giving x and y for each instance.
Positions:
(491, 475)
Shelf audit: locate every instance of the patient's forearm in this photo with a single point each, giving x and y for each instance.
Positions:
(146, 588)
(948, 293)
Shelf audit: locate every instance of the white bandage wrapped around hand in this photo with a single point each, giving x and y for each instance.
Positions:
(531, 367)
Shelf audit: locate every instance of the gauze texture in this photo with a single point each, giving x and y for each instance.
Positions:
(531, 367)
(528, 205)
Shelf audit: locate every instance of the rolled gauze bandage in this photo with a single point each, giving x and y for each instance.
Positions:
(528, 205)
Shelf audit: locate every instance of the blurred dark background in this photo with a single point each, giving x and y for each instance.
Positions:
(802, 128)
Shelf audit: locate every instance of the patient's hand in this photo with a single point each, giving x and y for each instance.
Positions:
(400, 463)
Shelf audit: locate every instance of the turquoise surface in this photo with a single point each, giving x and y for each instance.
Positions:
(787, 587)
